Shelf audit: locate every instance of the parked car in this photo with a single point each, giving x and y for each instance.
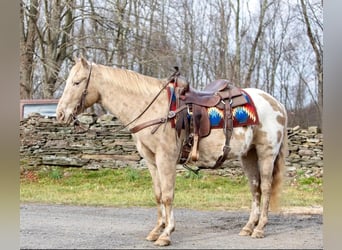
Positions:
(45, 107)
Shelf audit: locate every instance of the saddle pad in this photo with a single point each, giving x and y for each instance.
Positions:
(173, 101)
(243, 115)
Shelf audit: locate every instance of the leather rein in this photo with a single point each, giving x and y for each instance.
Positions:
(81, 106)
(171, 114)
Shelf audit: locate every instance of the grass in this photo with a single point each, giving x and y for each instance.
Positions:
(132, 187)
(304, 191)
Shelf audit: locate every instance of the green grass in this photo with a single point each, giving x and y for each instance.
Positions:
(304, 191)
(132, 187)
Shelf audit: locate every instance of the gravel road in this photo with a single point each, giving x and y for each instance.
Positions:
(63, 226)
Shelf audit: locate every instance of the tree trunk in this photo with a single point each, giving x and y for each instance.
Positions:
(319, 58)
(251, 64)
(56, 40)
(27, 48)
(237, 61)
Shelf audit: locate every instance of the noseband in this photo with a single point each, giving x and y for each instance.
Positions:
(81, 104)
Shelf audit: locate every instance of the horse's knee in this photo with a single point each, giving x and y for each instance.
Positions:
(157, 197)
(167, 200)
(265, 187)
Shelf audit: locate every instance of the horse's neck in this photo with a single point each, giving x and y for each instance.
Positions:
(127, 103)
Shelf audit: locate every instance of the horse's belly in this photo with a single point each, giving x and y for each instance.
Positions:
(211, 147)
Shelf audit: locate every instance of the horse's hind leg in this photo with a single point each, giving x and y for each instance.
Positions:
(157, 230)
(250, 167)
(266, 165)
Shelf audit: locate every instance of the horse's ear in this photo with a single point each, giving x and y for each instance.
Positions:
(84, 62)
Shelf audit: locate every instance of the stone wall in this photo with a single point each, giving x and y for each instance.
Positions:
(43, 141)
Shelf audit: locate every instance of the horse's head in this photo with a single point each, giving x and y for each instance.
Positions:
(79, 92)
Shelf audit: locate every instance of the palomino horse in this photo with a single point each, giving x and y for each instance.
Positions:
(126, 94)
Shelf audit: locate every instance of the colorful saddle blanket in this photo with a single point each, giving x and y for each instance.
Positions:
(243, 115)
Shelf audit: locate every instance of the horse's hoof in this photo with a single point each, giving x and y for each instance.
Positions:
(163, 241)
(152, 236)
(245, 232)
(258, 234)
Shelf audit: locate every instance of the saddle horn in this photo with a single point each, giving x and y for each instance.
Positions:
(174, 75)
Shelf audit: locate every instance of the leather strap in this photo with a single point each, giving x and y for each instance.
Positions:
(147, 124)
(162, 120)
(228, 130)
(190, 144)
(81, 105)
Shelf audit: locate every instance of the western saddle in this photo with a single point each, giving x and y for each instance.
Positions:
(191, 114)
(219, 93)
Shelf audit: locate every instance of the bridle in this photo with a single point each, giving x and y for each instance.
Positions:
(81, 104)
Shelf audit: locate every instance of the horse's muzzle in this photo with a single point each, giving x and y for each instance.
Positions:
(60, 116)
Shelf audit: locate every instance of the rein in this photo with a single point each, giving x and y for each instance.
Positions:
(143, 112)
(80, 108)
(159, 121)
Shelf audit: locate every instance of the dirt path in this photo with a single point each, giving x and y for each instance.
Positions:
(60, 226)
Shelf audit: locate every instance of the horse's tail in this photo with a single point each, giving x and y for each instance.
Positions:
(278, 173)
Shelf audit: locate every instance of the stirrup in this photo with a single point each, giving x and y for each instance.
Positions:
(195, 171)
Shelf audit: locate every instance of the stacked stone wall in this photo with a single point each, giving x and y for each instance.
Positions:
(44, 141)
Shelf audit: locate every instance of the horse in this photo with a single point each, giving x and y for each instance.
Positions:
(261, 148)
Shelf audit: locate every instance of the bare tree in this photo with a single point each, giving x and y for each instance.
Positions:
(54, 36)
(29, 16)
(260, 46)
(264, 5)
(316, 44)
(237, 60)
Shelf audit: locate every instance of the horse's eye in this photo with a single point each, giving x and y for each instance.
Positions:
(76, 83)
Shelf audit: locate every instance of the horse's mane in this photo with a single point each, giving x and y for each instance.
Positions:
(131, 81)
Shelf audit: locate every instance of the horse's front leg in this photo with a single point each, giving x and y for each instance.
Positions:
(157, 230)
(167, 174)
(165, 238)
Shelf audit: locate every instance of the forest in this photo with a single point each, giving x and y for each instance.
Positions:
(274, 45)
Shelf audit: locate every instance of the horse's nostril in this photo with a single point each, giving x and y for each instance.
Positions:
(60, 115)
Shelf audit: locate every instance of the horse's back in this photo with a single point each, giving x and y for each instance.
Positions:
(262, 100)
(268, 108)
(272, 118)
